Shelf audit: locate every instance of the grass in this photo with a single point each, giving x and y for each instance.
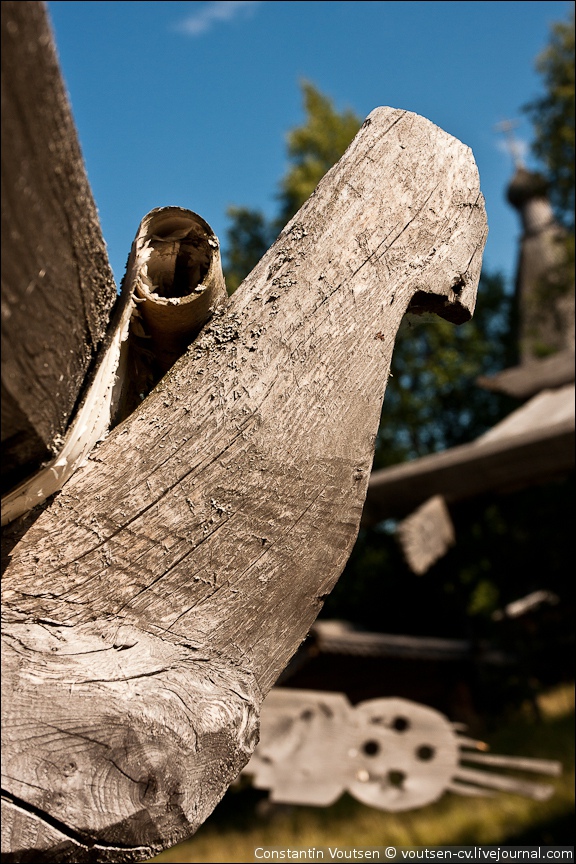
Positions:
(234, 830)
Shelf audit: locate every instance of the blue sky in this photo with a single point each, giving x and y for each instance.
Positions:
(188, 103)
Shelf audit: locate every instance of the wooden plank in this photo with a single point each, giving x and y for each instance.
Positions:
(302, 754)
(517, 763)
(496, 463)
(501, 783)
(341, 637)
(426, 535)
(57, 286)
(530, 378)
(151, 606)
(549, 409)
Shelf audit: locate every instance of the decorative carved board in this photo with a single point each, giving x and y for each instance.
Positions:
(532, 445)
(391, 754)
(426, 535)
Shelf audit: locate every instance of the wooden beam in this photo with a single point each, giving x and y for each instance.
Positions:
(172, 286)
(154, 603)
(530, 378)
(57, 286)
(533, 445)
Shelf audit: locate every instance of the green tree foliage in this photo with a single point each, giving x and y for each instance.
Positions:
(248, 236)
(313, 148)
(552, 116)
(432, 402)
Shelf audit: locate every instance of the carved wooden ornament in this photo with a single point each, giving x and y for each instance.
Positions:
(392, 754)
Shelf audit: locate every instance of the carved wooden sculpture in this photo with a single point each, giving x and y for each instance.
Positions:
(392, 754)
(150, 607)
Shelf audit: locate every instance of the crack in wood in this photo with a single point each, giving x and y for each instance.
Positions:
(83, 840)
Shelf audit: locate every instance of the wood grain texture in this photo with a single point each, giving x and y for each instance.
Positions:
(151, 607)
(57, 286)
(148, 333)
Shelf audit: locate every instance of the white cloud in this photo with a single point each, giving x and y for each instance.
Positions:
(213, 13)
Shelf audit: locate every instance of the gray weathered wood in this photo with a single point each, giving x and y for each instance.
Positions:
(426, 534)
(392, 754)
(530, 378)
(177, 276)
(171, 288)
(57, 286)
(150, 608)
(532, 445)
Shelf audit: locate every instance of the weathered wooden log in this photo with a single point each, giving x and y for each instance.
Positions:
(179, 282)
(153, 604)
(57, 286)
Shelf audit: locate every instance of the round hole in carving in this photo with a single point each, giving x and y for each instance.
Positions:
(425, 753)
(307, 714)
(400, 724)
(371, 748)
(396, 779)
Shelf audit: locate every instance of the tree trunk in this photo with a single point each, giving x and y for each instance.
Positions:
(57, 286)
(153, 604)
